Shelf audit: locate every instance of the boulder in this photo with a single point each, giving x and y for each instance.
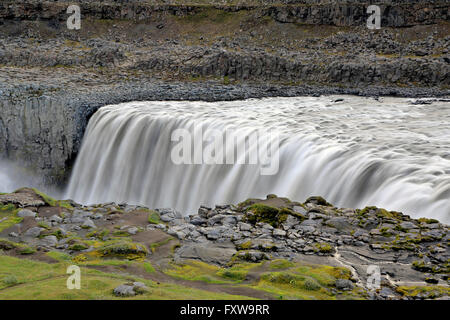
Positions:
(208, 252)
(33, 232)
(26, 213)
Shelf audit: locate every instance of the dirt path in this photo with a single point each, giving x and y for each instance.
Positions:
(160, 277)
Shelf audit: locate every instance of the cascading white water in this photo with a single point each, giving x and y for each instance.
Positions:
(357, 152)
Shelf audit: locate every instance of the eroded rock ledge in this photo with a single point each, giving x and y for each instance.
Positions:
(261, 248)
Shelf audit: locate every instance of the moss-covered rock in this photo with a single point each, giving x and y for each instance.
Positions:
(266, 214)
(317, 200)
(123, 249)
(153, 217)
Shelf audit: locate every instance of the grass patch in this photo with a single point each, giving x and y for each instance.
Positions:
(281, 264)
(43, 281)
(8, 216)
(195, 271)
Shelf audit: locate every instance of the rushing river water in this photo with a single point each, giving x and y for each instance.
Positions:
(356, 152)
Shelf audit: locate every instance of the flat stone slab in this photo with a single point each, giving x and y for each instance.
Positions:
(216, 254)
(25, 197)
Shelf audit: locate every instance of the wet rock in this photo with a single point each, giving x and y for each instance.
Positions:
(133, 230)
(49, 241)
(88, 223)
(344, 284)
(124, 290)
(55, 218)
(208, 252)
(278, 233)
(244, 226)
(33, 232)
(168, 215)
(252, 255)
(26, 213)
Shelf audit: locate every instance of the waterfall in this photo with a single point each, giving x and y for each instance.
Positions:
(356, 152)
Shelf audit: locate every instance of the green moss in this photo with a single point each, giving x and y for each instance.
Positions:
(44, 225)
(244, 246)
(323, 247)
(245, 204)
(148, 267)
(281, 264)
(386, 232)
(78, 246)
(429, 292)
(7, 245)
(26, 250)
(427, 220)
(120, 233)
(319, 201)
(266, 214)
(379, 213)
(99, 234)
(8, 216)
(53, 202)
(21, 248)
(121, 249)
(51, 232)
(154, 218)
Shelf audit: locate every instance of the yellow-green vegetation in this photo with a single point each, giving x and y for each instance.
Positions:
(379, 212)
(78, 246)
(19, 247)
(281, 264)
(8, 216)
(120, 249)
(99, 234)
(53, 202)
(44, 225)
(245, 245)
(420, 265)
(194, 270)
(427, 220)
(153, 217)
(267, 214)
(31, 280)
(156, 245)
(59, 256)
(318, 200)
(306, 282)
(148, 267)
(209, 14)
(237, 272)
(323, 247)
(429, 292)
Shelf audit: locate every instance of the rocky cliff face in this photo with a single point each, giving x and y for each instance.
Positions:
(349, 13)
(52, 79)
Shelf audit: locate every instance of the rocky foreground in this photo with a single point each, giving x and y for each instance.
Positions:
(264, 249)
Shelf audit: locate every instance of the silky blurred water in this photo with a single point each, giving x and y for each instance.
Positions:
(356, 152)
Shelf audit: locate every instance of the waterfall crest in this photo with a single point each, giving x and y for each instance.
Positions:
(357, 152)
